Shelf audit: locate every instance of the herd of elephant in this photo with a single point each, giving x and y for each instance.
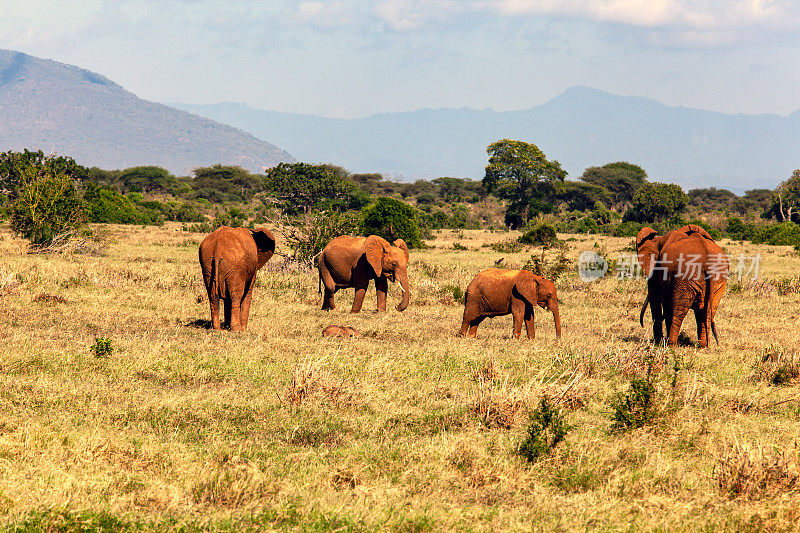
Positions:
(685, 270)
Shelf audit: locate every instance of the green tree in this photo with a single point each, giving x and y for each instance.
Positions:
(12, 164)
(711, 198)
(148, 179)
(786, 199)
(46, 205)
(582, 196)
(520, 173)
(301, 187)
(392, 219)
(454, 190)
(754, 200)
(656, 202)
(622, 179)
(223, 183)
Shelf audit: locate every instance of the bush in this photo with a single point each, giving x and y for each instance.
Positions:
(549, 270)
(783, 234)
(104, 205)
(102, 347)
(46, 206)
(392, 219)
(546, 429)
(635, 408)
(542, 235)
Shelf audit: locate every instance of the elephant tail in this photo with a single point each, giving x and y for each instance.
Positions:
(710, 326)
(216, 287)
(644, 308)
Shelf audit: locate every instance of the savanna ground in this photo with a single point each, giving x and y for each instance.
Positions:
(409, 427)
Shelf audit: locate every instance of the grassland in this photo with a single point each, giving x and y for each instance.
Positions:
(408, 428)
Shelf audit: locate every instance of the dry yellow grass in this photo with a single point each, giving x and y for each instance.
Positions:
(281, 428)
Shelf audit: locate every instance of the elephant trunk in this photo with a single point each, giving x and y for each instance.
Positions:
(553, 305)
(402, 277)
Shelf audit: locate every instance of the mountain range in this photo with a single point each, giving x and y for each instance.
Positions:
(67, 110)
(581, 127)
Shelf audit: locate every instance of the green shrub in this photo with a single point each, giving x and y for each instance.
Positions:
(101, 347)
(543, 234)
(782, 234)
(104, 205)
(551, 270)
(546, 429)
(634, 409)
(46, 206)
(507, 247)
(392, 219)
(627, 229)
(737, 230)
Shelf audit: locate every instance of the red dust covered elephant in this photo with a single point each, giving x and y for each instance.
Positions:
(499, 291)
(685, 270)
(229, 259)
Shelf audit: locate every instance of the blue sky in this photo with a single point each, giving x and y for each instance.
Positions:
(353, 58)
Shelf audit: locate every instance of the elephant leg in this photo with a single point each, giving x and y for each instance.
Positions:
(678, 314)
(381, 287)
(702, 329)
(236, 312)
(657, 311)
(469, 324)
(361, 291)
(213, 302)
(245, 307)
(530, 328)
(518, 313)
(228, 301)
(473, 326)
(330, 290)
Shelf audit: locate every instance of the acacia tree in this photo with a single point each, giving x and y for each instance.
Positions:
(621, 178)
(656, 202)
(787, 197)
(520, 173)
(300, 187)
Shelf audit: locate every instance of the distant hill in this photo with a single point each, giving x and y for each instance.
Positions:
(581, 127)
(71, 111)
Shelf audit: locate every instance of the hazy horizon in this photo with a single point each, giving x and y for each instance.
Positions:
(354, 59)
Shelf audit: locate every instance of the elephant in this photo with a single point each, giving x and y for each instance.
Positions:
(500, 291)
(229, 259)
(685, 270)
(341, 331)
(353, 261)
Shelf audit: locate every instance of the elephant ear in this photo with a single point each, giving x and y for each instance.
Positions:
(645, 234)
(527, 286)
(374, 248)
(693, 228)
(400, 243)
(265, 242)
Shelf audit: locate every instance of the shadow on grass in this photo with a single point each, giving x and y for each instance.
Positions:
(198, 323)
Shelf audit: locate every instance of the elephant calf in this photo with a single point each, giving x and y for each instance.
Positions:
(229, 259)
(499, 291)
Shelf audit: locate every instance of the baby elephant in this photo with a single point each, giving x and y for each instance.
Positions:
(340, 331)
(499, 291)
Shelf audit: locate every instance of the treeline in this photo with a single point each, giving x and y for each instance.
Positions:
(521, 189)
